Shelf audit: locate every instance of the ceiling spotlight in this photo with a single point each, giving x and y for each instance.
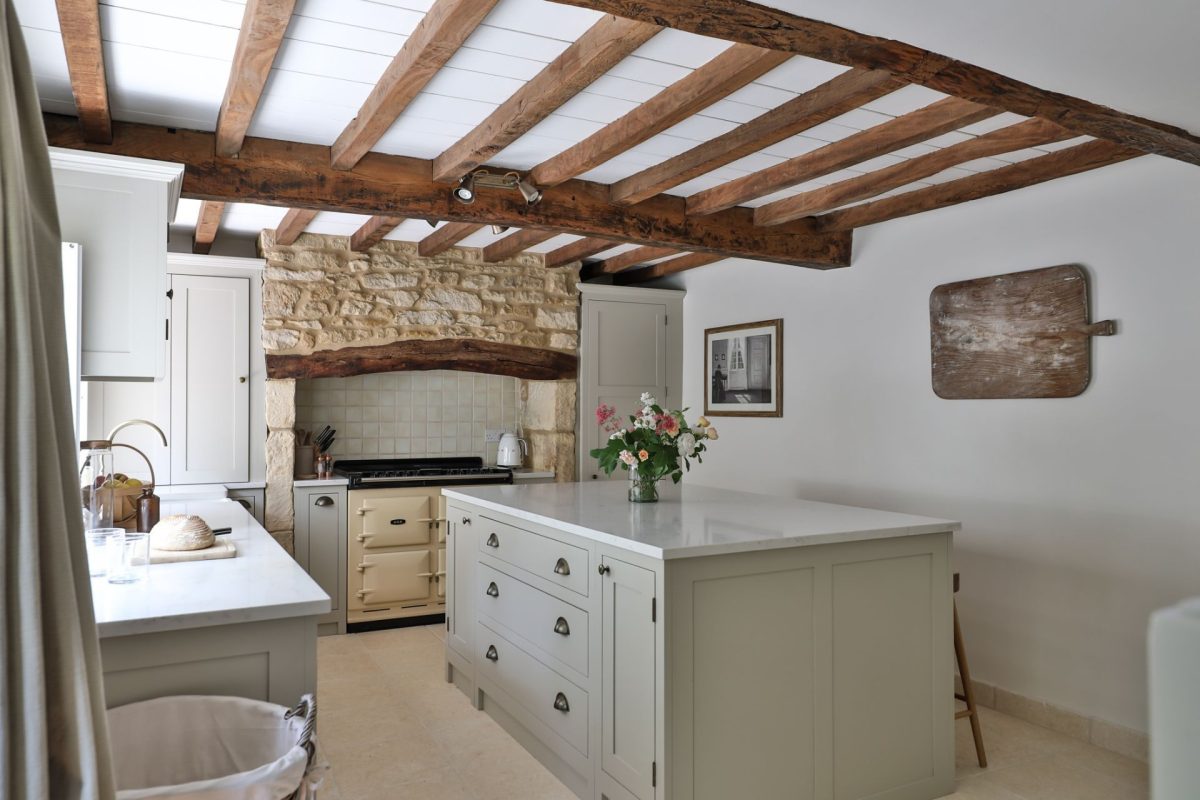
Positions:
(499, 229)
(433, 223)
(531, 193)
(465, 191)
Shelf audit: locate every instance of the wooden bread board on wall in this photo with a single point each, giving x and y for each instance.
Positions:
(1020, 335)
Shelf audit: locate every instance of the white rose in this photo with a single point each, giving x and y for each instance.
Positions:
(687, 445)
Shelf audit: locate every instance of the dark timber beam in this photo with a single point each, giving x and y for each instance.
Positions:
(437, 37)
(844, 93)
(79, 22)
(372, 232)
(596, 52)
(207, 225)
(731, 70)
(1071, 161)
(471, 355)
(293, 224)
(762, 26)
(1030, 133)
(263, 24)
(917, 126)
(300, 176)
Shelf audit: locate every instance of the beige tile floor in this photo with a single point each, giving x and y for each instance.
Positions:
(393, 729)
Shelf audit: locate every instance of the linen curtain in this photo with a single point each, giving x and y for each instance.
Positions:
(53, 731)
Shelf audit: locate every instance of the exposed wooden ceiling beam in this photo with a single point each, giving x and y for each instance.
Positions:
(1030, 133)
(206, 226)
(293, 224)
(1070, 161)
(263, 25)
(446, 237)
(763, 26)
(728, 72)
(299, 175)
(663, 268)
(632, 258)
(514, 243)
(79, 21)
(372, 232)
(577, 251)
(437, 36)
(834, 97)
(917, 126)
(596, 52)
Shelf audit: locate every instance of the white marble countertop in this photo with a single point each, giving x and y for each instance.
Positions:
(693, 520)
(306, 482)
(262, 582)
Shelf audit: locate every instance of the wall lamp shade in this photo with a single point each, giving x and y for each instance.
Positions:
(465, 191)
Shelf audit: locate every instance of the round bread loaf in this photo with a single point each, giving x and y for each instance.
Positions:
(181, 532)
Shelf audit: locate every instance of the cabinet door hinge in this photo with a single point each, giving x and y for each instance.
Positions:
(653, 773)
(654, 609)
(447, 622)
(170, 294)
(167, 329)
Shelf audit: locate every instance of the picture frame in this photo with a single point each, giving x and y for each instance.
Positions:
(743, 370)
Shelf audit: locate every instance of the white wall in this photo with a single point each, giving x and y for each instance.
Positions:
(1080, 515)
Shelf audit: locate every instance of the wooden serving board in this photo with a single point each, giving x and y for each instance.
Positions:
(1024, 334)
(222, 548)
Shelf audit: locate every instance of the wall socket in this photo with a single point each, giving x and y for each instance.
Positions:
(492, 435)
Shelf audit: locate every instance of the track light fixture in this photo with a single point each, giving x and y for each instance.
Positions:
(464, 192)
(499, 229)
(531, 193)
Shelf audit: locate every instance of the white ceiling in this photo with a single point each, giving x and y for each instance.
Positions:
(168, 63)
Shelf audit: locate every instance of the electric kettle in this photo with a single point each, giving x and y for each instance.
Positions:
(511, 450)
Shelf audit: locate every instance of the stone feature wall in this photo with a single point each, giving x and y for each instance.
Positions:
(319, 295)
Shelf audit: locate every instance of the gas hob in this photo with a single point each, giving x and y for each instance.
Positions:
(381, 473)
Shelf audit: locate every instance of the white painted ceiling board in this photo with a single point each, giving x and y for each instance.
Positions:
(799, 74)
(1063, 145)
(993, 123)
(551, 20)
(1132, 56)
(214, 12)
(679, 47)
(904, 100)
(170, 34)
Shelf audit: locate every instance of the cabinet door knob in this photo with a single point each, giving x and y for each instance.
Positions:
(560, 703)
(561, 627)
(561, 567)
(324, 500)
(493, 590)
(493, 540)
(242, 379)
(466, 521)
(603, 569)
(491, 654)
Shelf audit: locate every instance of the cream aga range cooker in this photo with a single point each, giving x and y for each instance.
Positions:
(396, 559)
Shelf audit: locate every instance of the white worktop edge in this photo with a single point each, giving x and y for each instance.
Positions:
(694, 551)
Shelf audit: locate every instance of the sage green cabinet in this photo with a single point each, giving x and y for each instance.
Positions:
(320, 545)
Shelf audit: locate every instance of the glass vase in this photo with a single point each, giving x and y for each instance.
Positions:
(643, 488)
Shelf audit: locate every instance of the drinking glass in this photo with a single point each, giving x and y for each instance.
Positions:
(127, 556)
(97, 554)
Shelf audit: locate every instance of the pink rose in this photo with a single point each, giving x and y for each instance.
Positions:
(668, 424)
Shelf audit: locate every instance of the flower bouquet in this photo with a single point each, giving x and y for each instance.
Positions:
(657, 443)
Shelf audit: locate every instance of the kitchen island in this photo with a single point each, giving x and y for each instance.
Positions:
(244, 626)
(714, 645)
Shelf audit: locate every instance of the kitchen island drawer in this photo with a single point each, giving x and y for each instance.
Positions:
(557, 628)
(559, 563)
(552, 699)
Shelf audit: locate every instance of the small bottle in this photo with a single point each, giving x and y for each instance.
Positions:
(147, 510)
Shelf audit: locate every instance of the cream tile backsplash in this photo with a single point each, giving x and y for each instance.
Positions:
(408, 414)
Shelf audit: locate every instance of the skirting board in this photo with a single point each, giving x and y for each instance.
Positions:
(1107, 735)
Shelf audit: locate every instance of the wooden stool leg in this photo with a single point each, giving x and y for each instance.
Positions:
(972, 710)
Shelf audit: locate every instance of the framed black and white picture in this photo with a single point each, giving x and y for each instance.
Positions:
(743, 367)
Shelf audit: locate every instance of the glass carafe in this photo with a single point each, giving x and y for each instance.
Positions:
(96, 484)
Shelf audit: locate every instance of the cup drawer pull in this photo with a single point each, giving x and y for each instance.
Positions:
(493, 540)
(561, 567)
(491, 654)
(561, 627)
(560, 703)
(493, 590)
